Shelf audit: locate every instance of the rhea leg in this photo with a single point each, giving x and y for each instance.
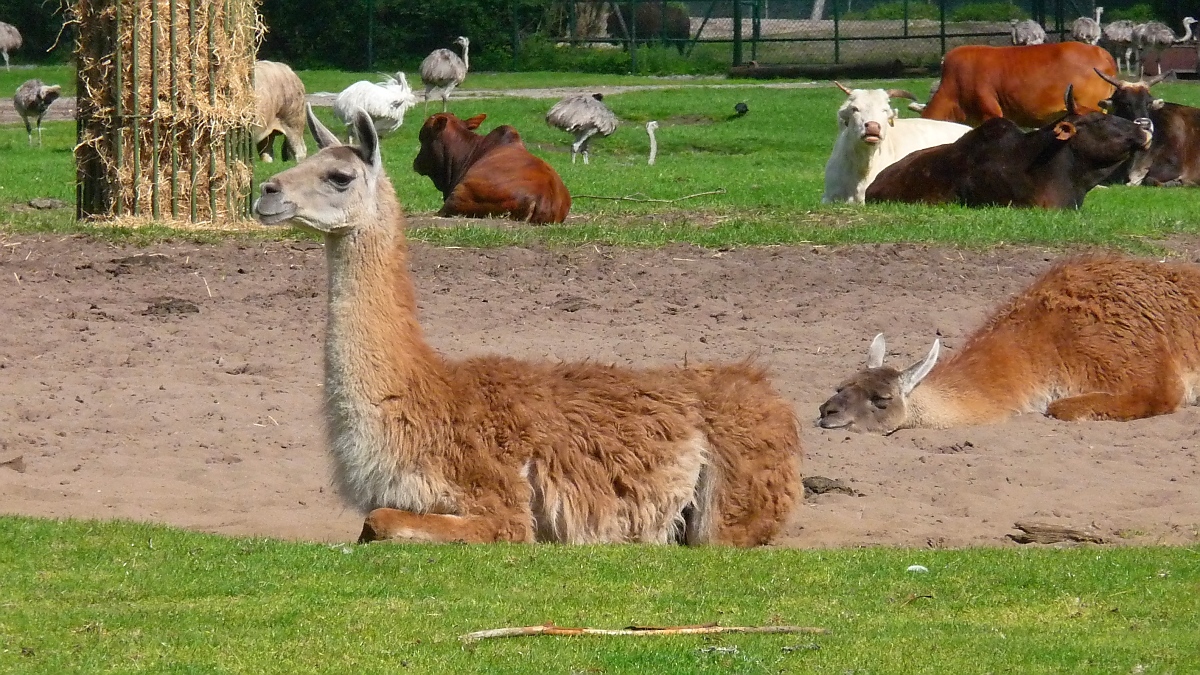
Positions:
(28, 129)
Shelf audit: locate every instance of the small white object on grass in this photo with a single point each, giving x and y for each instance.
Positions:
(917, 568)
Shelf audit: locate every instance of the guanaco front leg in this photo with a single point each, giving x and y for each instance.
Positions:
(394, 524)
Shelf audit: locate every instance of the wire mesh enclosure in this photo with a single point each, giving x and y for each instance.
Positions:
(914, 32)
(165, 108)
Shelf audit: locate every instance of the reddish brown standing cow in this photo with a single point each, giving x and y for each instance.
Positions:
(1023, 84)
(492, 175)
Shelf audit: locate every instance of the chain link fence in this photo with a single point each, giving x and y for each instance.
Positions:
(776, 32)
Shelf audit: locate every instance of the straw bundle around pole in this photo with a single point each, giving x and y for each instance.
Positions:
(166, 103)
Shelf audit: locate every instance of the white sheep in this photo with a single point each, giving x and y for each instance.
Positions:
(386, 103)
(279, 101)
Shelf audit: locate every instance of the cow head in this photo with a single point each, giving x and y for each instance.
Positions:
(867, 113)
(445, 140)
(1132, 100)
(1098, 140)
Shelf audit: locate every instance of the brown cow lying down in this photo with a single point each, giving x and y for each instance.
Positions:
(998, 164)
(492, 175)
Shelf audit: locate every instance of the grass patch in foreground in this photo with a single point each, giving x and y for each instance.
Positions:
(114, 596)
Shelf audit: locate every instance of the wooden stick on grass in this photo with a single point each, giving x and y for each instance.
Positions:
(706, 629)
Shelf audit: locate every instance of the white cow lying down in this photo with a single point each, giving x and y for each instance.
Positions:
(870, 138)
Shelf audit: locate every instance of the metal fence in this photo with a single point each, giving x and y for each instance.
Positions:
(914, 32)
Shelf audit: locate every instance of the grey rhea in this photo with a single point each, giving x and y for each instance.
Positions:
(443, 70)
(33, 99)
(584, 116)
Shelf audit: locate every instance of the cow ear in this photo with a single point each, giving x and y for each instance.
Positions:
(368, 139)
(1064, 130)
(1069, 99)
(474, 122)
(323, 136)
(1106, 105)
(1157, 104)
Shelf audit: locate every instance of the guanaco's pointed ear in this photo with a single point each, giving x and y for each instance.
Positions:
(1064, 130)
(323, 136)
(913, 375)
(368, 139)
(876, 352)
(474, 122)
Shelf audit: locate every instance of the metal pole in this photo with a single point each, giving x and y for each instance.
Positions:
(837, 31)
(737, 32)
(633, 35)
(370, 34)
(755, 28)
(155, 165)
(942, 24)
(905, 18)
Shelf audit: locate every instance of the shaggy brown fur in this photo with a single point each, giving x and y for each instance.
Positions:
(1093, 338)
(496, 449)
(279, 102)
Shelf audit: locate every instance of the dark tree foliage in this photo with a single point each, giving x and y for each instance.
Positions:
(1173, 11)
(333, 33)
(39, 22)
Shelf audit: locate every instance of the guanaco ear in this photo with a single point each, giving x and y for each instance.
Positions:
(1064, 130)
(913, 375)
(842, 87)
(1157, 104)
(876, 352)
(368, 139)
(323, 136)
(474, 122)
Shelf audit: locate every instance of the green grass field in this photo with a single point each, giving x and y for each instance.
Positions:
(122, 597)
(119, 597)
(769, 165)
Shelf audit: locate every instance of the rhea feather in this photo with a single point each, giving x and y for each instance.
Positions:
(386, 102)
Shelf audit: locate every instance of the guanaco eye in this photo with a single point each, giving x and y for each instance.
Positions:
(881, 402)
(340, 179)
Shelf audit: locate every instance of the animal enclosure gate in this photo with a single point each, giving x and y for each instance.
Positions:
(165, 107)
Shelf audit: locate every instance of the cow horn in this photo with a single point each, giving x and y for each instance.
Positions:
(1157, 78)
(903, 93)
(842, 87)
(1106, 78)
(1069, 99)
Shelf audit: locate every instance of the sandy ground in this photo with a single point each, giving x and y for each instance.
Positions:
(203, 412)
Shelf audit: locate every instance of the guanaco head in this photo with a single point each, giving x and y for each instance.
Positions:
(331, 191)
(875, 400)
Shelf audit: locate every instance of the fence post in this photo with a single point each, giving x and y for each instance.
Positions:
(942, 24)
(370, 34)
(905, 18)
(572, 22)
(755, 28)
(516, 33)
(633, 36)
(837, 31)
(737, 32)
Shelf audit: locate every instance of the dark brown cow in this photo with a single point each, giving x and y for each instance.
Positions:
(1174, 154)
(492, 175)
(998, 164)
(1023, 84)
